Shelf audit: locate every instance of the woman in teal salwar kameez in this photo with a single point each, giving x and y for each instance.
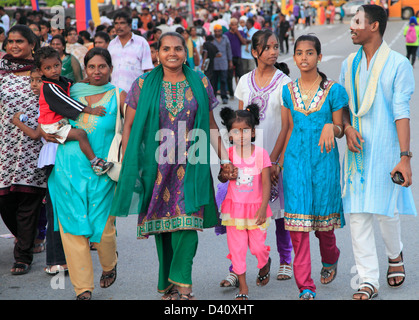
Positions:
(81, 199)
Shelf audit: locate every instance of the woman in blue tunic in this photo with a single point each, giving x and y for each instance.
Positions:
(313, 117)
(82, 200)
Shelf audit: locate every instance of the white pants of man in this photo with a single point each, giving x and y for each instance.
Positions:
(363, 243)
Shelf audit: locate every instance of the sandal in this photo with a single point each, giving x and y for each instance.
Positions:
(285, 272)
(232, 279)
(53, 270)
(265, 276)
(327, 272)
(171, 294)
(24, 268)
(241, 296)
(39, 247)
(394, 274)
(307, 294)
(370, 293)
(186, 296)
(109, 275)
(86, 295)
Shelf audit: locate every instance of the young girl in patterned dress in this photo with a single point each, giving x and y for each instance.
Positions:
(245, 211)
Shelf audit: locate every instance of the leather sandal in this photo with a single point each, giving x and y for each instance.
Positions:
(86, 295)
(232, 279)
(370, 292)
(394, 274)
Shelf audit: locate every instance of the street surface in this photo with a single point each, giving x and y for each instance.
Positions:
(138, 264)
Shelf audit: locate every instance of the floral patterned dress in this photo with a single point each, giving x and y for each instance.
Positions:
(19, 154)
(166, 212)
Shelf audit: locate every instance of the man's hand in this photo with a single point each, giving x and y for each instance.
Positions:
(353, 139)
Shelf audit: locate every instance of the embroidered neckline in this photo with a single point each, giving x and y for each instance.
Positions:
(316, 102)
(174, 96)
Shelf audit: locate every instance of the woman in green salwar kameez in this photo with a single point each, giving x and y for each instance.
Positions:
(168, 183)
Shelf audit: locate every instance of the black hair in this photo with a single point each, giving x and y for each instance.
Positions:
(100, 28)
(123, 15)
(172, 34)
(34, 69)
(85, 34)
(283, 67)
(318, 47)
(45, 53)
(45, 23)
(96, 51)
(180, 30)
(250, 115)
(376, 13)
(103, 35)
(153, 45)
(109, 29)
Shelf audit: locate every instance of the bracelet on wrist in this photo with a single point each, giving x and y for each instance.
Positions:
(340, 130)
(227, 161)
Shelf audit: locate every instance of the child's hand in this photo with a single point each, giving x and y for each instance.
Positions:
(99, 111)
(15, 119)
(274, 172)
(260, 216)
(327, 138)
(229, 171)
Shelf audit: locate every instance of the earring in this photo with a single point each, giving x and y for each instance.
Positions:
(318, 62)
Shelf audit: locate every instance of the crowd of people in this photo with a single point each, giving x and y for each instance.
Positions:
(61, 92)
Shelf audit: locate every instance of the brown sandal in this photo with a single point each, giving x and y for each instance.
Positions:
(86, 295)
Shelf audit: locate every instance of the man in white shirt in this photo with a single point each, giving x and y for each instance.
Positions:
(131, 56)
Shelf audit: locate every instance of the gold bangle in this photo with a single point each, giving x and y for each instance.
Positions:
(344, 131)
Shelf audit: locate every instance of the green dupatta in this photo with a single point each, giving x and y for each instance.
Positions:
(139, 167)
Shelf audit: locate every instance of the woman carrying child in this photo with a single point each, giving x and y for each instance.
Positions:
(312, 115)
(55, 106)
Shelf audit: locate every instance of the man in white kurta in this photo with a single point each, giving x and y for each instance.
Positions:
(368, 191)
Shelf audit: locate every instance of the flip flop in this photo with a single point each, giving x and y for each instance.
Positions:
(266, 276)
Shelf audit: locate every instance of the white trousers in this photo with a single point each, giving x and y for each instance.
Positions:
(363, 243)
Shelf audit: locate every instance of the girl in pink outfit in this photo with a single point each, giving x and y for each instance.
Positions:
(245, 211)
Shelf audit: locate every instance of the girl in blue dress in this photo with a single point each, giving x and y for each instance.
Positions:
(312, 115)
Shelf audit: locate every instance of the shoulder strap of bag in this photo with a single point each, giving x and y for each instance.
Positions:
(118, 126)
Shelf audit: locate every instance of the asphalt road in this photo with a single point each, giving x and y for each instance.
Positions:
(137, 266)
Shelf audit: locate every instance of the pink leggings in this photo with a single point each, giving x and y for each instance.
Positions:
(239, 241)
(302, 261)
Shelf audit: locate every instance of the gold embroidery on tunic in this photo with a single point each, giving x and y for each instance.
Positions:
(166, 195)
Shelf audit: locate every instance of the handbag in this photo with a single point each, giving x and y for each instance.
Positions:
(115, 151)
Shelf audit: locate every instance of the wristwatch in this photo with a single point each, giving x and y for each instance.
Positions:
(406, 153)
